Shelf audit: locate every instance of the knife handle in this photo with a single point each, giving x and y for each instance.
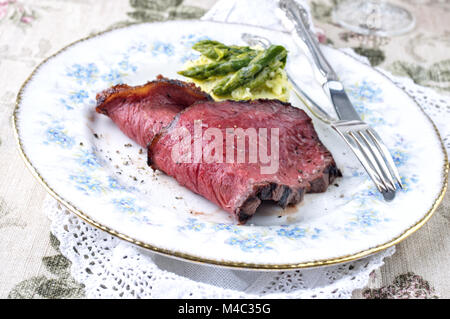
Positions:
(298, 16)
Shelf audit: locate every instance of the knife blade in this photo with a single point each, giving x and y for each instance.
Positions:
(342, 104)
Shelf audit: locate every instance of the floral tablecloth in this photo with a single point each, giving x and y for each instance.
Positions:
(30, 263)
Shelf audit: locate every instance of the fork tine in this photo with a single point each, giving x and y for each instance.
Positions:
(371, 152)
(386, 154)
(368, 153)
(350, 140)
(380, 160)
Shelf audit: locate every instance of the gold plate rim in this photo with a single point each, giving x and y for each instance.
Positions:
(207, 261)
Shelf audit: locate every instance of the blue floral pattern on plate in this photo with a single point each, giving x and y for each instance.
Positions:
(84, 74)
(58, 135)
(250, 242)
(127, 205)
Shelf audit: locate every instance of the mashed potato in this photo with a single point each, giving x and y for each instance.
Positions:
(277, 87)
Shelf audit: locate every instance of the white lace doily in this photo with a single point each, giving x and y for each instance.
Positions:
(112, 268)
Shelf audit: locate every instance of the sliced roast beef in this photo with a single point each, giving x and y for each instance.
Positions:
(304, 164)
(142, 111)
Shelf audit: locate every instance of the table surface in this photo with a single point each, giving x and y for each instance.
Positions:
(30, 263)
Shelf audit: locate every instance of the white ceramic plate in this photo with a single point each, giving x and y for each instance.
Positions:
(84, 160)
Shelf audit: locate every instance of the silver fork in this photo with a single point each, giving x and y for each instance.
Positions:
(373, 155)
(364, 141)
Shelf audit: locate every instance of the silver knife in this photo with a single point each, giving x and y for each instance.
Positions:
(326, 75)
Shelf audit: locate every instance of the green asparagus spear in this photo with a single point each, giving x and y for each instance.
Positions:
(248, 73)
(264, 75)
(218, 51)
(202, 72)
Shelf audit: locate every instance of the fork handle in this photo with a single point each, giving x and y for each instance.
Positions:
(298, 16)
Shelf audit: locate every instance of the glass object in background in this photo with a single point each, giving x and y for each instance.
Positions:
(373, 17)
